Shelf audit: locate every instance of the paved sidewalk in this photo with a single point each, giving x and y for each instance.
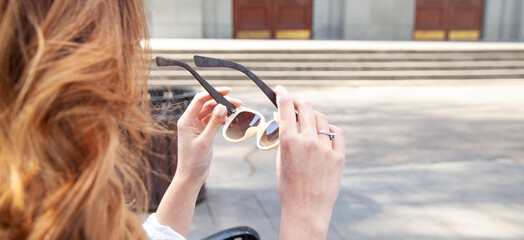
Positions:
(423, 162)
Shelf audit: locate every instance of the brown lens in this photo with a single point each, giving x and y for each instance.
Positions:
(270, 135)
(238, 127)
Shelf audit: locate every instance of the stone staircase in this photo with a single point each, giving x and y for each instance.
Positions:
(323, 66)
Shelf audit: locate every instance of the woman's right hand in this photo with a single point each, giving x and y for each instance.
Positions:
(196, 131)
(309, 169)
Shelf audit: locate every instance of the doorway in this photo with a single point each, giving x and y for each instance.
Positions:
(272, 19)
(448, 19)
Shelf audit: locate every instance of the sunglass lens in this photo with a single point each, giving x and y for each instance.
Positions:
(270, 135)
(238, 127)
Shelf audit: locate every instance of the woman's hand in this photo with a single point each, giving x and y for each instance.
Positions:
(309, 169)
(196, 130)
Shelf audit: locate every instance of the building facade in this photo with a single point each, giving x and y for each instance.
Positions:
(481, 20)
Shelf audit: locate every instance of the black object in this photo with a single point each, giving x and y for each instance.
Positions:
(167, 105)
(237, 233)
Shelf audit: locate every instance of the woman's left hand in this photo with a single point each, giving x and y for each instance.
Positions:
(196, 131)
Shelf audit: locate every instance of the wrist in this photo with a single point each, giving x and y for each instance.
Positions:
(193, 169)
(177, 205)
(187, 181)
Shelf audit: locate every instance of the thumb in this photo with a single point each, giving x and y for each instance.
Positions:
(217, 119)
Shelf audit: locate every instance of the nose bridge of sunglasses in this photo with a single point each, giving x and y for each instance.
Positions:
(268, 127)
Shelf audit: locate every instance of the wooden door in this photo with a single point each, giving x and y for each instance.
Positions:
(292, 19)
(465, 19)
(252, 19)
(272, 19)
(430, 20)
(448, 19)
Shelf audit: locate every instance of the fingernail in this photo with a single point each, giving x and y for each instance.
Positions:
(279, 88)
(220, 110)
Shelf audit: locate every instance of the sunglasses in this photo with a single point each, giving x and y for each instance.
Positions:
(243, 122)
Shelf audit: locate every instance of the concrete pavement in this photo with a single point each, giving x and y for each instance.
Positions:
(422, 162)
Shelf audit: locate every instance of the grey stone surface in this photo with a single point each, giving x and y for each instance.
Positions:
(218, 18)
(191, 19)
(379, 19)
(504, 20)
(430, 162)
(175, 18)
(328, 19)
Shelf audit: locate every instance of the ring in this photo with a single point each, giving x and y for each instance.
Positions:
(331, 135)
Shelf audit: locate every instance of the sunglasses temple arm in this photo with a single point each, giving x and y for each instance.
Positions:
(201, 61)
(162, 61)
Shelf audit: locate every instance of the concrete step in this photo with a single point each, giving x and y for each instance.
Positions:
(275, 75)
(320, 64)
(357, 57)
(345, 83)
(237, 45)
(386, 65)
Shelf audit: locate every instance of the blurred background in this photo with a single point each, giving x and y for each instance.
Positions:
(430, 94)
(486, 20)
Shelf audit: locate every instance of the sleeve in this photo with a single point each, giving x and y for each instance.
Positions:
(157, 231)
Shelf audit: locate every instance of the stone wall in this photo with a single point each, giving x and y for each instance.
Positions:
(379, 19)
(175, 18)
(218, 18)
(328, 19)
(190, 18)
(504, 20)
(332, 19)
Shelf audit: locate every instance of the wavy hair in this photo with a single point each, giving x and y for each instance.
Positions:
(73, 118)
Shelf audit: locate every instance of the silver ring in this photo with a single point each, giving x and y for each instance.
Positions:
(331, 135)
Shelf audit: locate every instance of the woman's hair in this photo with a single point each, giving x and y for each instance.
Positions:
(73, 118)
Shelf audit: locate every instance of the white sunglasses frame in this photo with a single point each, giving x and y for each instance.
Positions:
(258, 130)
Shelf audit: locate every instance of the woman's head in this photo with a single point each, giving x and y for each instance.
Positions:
(72, 117)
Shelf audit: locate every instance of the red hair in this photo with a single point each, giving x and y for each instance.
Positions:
(73, 118)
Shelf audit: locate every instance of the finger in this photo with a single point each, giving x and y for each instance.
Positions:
(306, 116)
(211, 104)
(200, 99)
(206, 119)
(338, 143)
(286, 111)
(217, 119)
(208, 108)
(322, 124)
(235, 101)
